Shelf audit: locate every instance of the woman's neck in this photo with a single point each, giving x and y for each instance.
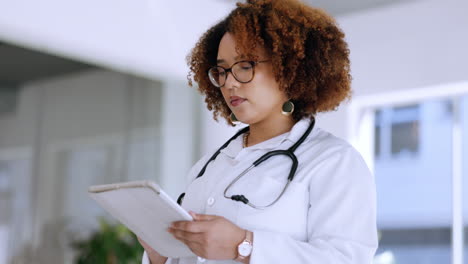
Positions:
(269, 128)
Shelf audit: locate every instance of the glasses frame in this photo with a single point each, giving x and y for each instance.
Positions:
(227, 70)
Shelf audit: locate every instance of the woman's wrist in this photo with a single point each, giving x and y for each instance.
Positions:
(248, 237)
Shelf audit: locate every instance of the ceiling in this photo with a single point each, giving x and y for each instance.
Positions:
(344, 7)
(19, 65)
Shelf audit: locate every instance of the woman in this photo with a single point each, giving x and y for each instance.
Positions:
(273, 65)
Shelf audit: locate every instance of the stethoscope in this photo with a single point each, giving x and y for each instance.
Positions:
(287, 152)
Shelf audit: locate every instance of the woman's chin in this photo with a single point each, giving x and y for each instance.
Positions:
(246, 120)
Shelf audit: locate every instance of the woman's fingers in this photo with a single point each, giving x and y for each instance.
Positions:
(192, 230)
(204, 217)
(147, 247)
(195, 241)
(189, 226)
(143, 243)
(186, 237)
(209, 236)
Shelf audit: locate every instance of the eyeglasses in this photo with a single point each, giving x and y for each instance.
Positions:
(243, 72)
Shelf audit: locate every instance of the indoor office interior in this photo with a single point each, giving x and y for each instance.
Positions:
(96, 92)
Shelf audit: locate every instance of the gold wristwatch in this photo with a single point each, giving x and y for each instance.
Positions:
(244, 249)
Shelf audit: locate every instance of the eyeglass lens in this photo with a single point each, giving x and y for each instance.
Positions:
(242, 72)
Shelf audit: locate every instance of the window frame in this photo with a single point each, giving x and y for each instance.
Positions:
(361, 134)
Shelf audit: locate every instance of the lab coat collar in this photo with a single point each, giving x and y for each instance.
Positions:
(233, 149)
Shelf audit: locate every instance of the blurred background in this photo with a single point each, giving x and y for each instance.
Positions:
(95, 92)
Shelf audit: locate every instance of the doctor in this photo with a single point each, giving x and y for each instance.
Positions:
(273, 65)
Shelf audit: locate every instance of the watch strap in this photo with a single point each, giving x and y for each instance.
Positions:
(247, 240)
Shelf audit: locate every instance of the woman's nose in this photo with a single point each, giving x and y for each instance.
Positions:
(230, 81)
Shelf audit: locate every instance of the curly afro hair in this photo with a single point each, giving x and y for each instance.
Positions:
(308, 52)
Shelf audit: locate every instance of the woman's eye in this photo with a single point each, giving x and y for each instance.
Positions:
(245, 67)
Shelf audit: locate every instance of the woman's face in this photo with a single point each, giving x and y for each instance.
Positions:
(257, 100)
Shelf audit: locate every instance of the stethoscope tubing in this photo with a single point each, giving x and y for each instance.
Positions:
(288, 152)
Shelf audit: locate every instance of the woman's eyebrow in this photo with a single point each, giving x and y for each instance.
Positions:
(223, 61)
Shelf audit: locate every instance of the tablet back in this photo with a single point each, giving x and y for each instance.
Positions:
(147, 211)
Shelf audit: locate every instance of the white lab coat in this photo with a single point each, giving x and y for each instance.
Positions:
(326, 216)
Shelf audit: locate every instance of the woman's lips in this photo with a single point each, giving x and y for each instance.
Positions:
(235, 101)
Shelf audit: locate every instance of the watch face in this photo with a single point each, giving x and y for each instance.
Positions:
(245, 249)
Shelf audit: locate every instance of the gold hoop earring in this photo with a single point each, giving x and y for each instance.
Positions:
(288, 108)
(234, 119)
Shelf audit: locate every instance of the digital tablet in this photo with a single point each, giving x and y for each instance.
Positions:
(147, 211)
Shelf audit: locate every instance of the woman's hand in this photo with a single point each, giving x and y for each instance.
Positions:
(209, 236)
(153, 255)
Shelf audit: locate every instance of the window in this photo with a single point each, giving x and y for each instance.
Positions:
(416, 142)
(413, 182)
(397, 132)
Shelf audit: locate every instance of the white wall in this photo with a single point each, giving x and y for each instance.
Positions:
(407, 46)
(87, 128)
(144, 37)
(404, 46)
(411, 45)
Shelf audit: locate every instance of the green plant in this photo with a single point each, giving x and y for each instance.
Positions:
(111, 244)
